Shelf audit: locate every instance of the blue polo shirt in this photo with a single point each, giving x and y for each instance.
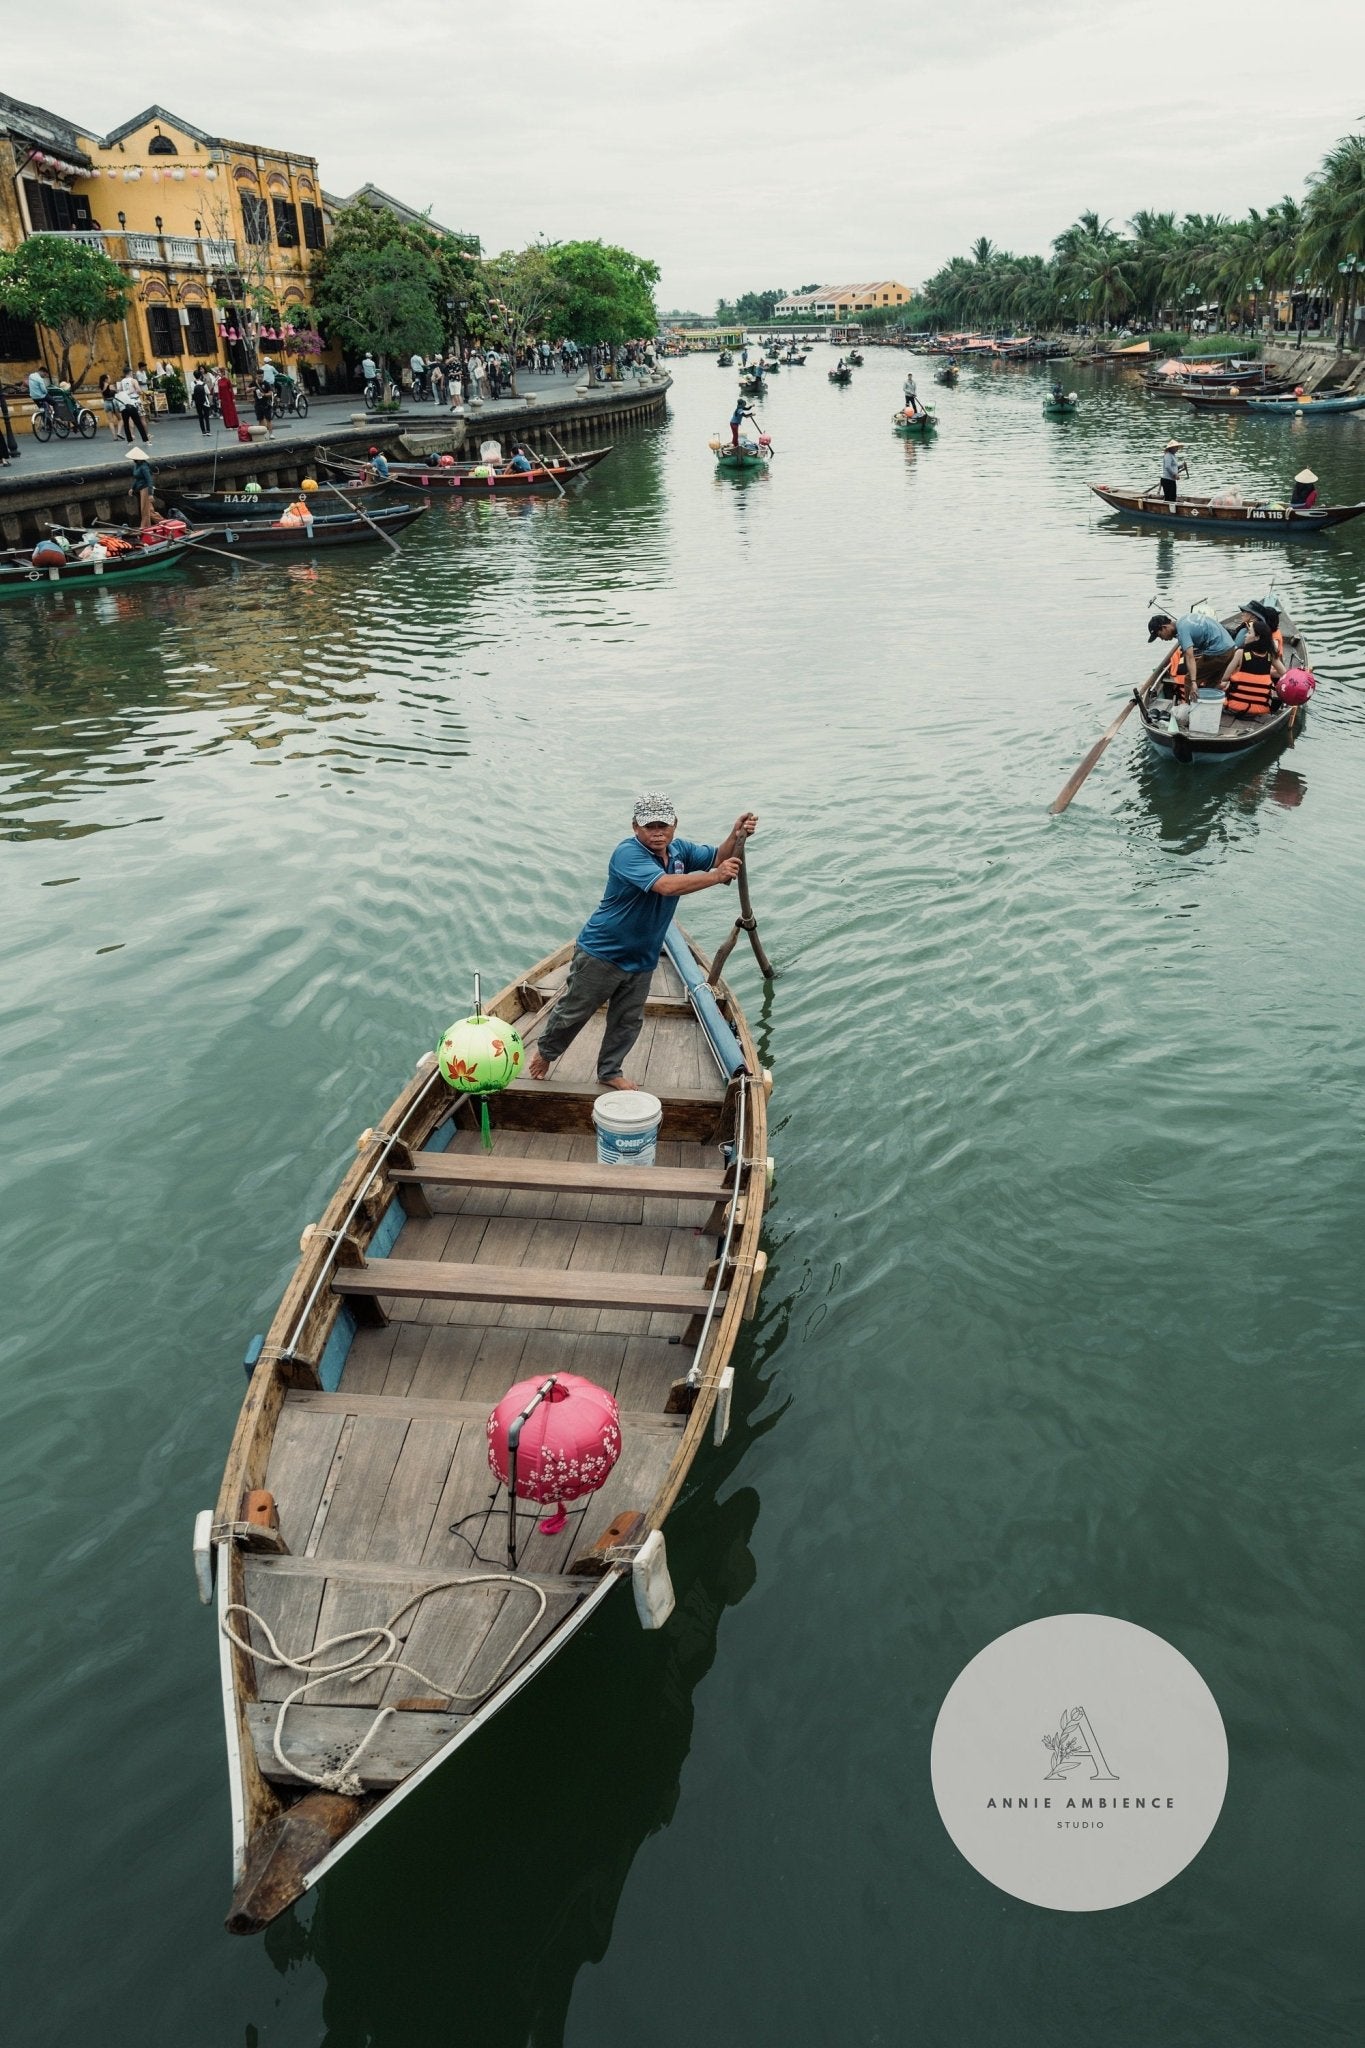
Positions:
(628, 926)
(1198, 634)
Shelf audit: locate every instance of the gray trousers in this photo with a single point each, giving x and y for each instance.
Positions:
(591, 983)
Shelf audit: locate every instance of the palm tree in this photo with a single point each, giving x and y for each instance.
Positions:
(1334, 225)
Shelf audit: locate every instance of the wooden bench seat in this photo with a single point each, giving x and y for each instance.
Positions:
(523, 1286)
(692, 1115)
(566, 1176)
(409, 1408)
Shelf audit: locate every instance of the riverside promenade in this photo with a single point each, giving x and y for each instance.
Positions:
(76, 482)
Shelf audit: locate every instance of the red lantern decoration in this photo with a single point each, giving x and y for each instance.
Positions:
(567, 1444)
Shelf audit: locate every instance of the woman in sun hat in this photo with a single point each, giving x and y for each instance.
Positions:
(141, 482)
(618, 948)
(1305, 491)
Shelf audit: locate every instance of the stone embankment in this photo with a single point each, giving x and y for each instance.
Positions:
(95, 492)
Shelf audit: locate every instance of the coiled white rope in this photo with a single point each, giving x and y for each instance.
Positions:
(365, 1663)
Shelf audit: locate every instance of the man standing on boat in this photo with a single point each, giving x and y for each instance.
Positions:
(618, 948)
(743, 411)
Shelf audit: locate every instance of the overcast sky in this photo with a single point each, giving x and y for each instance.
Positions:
(743, 143)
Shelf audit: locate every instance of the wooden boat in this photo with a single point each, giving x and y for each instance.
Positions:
(329, 530)
(844, 376)
(1283, 521)
(793, 361)
(1061, 408)
(357, 1493)
(19, 573)
(1231, 397)
(947, 376)
(1234, 735)
(752, 387)
(744, 460)
(218, 508)
(725, 361)
(854, 357)
(924, 421)
(485, 477)
(1292, 405)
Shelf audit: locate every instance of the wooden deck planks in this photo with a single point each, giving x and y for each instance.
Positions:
(316, 1736)
(361, 1487)
(301, 1456)
(289, 1607)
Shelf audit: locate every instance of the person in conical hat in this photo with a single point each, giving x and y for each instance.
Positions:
(1305, 492)
(1171, 469)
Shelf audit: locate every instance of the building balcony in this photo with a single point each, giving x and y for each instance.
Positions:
(173, 252)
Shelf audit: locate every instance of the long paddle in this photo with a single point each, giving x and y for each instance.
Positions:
(388, 541)
(548, 471)
(203, 546)
(745, 922)
(1069, 789)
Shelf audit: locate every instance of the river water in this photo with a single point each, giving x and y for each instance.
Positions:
(1063, 1310)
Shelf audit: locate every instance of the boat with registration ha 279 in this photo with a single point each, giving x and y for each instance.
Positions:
(489, 1378)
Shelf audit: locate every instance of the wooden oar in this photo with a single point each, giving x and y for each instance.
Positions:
(387, 539)
(745, 922)
(1065, 795)
(250, 560)
(548, 470)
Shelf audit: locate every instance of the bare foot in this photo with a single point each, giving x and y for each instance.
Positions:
(537, 1066)
(618, 1081)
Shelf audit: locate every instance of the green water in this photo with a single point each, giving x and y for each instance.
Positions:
(1063, 1309)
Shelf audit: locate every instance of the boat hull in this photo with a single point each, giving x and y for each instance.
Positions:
(18, 580)
(1236, 736)
(261, 536)
(1284, 521)
(1293, 407)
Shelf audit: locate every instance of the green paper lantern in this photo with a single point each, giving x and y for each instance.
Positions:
(480, 1055)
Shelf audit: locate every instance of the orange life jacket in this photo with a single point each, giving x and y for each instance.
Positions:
(1249, 688)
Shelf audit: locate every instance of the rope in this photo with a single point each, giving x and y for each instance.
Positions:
(363, 1664)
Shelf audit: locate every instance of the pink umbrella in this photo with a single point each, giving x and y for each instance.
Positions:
(562, 1434)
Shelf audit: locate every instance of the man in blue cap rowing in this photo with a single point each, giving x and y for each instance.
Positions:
(618, 948)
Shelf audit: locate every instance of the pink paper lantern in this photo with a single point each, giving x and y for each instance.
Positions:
(568, 1445)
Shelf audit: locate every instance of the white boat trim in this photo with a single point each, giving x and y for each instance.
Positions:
(236, 1781)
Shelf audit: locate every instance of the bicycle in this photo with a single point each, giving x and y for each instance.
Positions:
(374, 393)
(289, 398)
(49, 418)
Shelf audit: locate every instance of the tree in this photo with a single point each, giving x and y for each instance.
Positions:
(521, 299)
(382, 299)
(458, 292)
(750, 309)
(604, 293)
(67, 287)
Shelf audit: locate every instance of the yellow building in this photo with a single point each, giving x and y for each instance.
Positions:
(837, 301)
(215, 237)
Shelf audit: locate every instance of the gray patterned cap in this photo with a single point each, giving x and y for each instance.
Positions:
(654, 808)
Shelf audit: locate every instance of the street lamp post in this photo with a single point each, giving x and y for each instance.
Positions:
(1348, 271)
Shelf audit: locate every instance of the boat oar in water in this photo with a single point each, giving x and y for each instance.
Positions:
(351, 505)
(745, 922)
(1069, 789)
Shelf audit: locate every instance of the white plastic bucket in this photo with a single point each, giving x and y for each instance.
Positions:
(627, 1124)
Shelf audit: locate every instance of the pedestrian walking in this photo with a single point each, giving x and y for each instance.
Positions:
(109, 400)
(200, 400)
(130, 406)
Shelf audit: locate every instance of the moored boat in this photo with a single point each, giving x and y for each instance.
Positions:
(1226, 513)
(216, 508)
(325, 530)
(359, 1524)
(485, 477)
(1227, 734)
(117, 558)
(1306, 403)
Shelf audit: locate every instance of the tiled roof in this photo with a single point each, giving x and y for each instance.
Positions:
(40, 129)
